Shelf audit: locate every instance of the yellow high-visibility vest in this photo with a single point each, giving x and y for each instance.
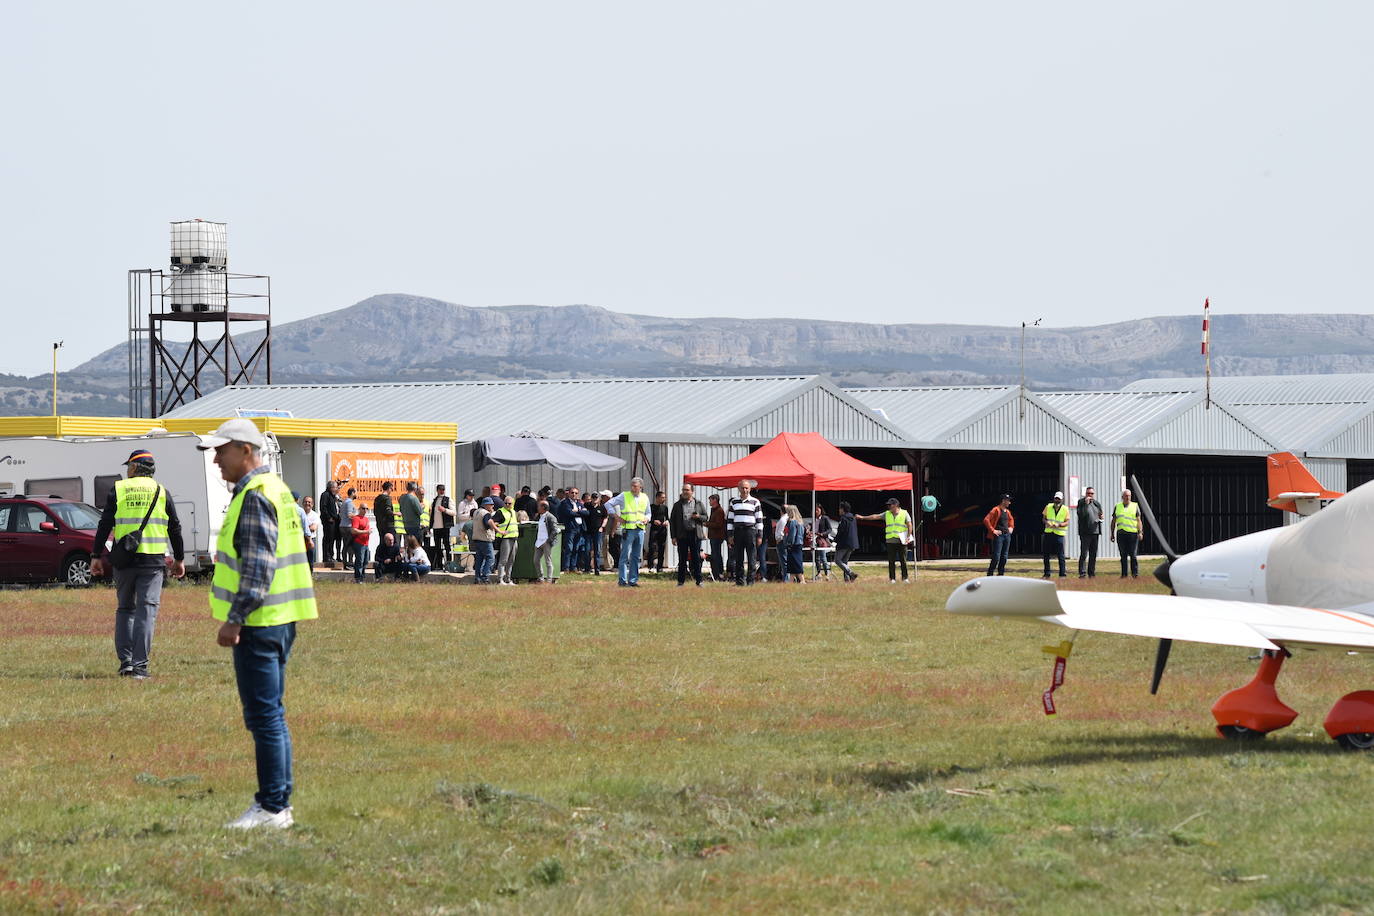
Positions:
(291, 596)
(1126, 518)
(1056, 522)
(509, 526)
(895, 525)
(633, 510)
(131, 503)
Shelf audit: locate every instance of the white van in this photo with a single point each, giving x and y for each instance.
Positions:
(85, 468)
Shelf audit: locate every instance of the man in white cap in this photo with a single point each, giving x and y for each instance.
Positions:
(262, 586)
(1056, 518)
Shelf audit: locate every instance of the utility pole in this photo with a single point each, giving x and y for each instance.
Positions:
(57, 345)
(1034, 324)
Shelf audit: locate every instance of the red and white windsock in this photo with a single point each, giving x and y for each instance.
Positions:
(1206, 324)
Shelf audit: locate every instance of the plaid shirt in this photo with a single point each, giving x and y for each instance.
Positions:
(255, 541)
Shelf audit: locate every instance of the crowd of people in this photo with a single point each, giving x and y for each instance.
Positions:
(590, 533)
(625, 533)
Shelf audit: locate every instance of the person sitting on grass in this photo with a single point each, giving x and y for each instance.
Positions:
(417, 564)
(388, 560)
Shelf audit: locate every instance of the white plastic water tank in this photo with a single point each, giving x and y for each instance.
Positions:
(196, 241)
(195, 290)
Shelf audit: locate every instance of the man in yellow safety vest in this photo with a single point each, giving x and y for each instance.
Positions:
(1126, 533)
(138, 505)
(1056, 518)
(897, 533)
(262, 586)
(631, 512)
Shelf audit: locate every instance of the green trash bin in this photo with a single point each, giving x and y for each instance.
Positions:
(524, 553)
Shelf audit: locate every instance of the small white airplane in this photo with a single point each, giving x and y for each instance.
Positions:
(1307, 585)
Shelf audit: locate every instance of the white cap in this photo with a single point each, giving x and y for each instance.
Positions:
(233, 431)
(1058, 494)
(606, 493)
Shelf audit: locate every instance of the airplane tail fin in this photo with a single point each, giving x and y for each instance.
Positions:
(1292, 487)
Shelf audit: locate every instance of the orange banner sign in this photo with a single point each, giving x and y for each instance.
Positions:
(367, 471)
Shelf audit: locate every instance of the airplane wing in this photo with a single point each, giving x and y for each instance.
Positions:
(1207, 620)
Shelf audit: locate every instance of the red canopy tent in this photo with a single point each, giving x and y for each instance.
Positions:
(802, 461)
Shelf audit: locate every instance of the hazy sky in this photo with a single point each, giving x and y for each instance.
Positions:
(884, 162)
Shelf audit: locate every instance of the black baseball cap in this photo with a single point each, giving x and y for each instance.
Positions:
(141, 457)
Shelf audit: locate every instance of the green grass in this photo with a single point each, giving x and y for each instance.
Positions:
(584, 748)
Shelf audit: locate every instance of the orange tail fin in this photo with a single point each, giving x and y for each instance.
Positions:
(1292, 487)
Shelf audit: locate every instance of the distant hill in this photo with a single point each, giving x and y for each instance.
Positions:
(397, 337)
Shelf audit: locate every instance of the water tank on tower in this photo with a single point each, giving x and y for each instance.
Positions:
(196, 297)
(197, 241)
(200, 256)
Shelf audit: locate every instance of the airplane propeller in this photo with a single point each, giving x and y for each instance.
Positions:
(1162, 574)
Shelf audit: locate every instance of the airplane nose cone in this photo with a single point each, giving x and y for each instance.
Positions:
(1162, 574)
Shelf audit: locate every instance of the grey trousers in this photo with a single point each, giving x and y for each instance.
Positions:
(543, 560)
(506, 560)
(139, 591)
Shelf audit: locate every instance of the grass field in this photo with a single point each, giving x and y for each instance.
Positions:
(584, 748)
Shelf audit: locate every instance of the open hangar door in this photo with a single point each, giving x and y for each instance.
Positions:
(969, 483)
(1199, 500)
(1358, 471)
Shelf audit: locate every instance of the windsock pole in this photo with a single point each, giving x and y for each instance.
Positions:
(1207, 348)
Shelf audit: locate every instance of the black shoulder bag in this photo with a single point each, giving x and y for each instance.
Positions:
(125, 550)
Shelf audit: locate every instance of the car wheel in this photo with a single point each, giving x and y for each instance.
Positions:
(76, 571)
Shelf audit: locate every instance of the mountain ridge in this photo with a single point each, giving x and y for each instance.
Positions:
(402, 337)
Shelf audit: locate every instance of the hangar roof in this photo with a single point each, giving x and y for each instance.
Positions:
(991, 416)
(1296, 413)
(580, 409)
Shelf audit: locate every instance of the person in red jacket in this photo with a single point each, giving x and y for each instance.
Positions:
(361, 531)
(1000, 525)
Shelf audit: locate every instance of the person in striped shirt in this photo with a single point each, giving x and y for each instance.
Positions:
(744, 530)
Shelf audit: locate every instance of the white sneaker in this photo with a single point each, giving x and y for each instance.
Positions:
(258, 816)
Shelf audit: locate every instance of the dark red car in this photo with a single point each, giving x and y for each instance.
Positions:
(44, 538)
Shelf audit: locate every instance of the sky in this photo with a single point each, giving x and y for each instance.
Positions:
(891, 162)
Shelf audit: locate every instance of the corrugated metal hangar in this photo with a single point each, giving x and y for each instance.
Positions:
(1199, 458)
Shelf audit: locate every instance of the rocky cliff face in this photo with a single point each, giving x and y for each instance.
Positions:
(401, 337)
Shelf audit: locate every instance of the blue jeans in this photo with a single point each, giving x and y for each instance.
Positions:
(631, 545)
(484, 561)
(362, 555)
(580, 546)
(572, 544)
(260, 668)
(1001, 546)
(1053, 546)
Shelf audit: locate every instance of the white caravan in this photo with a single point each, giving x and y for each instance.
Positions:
(84, 468)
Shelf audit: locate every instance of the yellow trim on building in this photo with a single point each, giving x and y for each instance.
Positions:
(55, 427)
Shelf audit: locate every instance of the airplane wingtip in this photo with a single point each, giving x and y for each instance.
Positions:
(1001, 596)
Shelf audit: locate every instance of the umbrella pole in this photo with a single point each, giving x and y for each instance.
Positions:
(915, 551)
